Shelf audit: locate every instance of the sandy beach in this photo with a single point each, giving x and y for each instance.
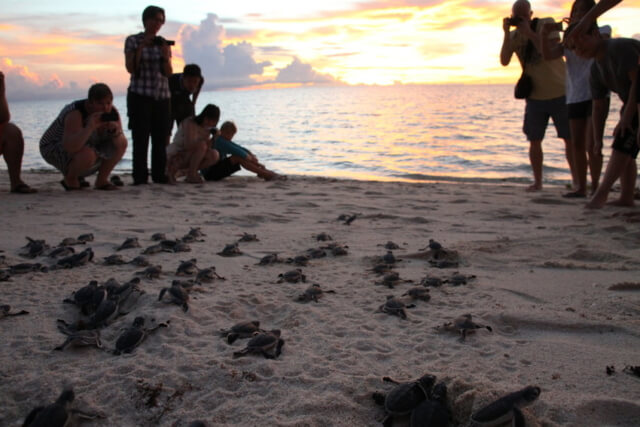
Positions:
(558, 285)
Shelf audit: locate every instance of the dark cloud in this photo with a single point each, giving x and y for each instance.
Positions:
(299, 72)
(230, 66)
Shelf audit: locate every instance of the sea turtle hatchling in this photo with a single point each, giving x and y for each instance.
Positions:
(339, 250)
(241, 330)
(86, 238)
(299, 260)
(315, 253)
(156, 237)
(151, 272)
(76, 260)
(390, 246)
(187, 268)
(464, 325)
(133, 336)
(33, 248)
(177, 295)
(85, 297)
(432, 281)
(322, 237)
(115, 259)
(196, 232)
(140, 261)
(208, 275)
(391, 279)
(418, 293)
(382, 268)
(129, 243)
(292, 276)
(81, 338)
(231, 249)
(5, 276)
(313, 293)
(181, 247)
(269, 344)
(432, 412)
(458, 279)
(26, 267)
(404, 397)
(246, 237)
(61, 252)
(154, 249)
(70, 241)
(389, 258)
(269, 259)
(5, 311)
(395, 307)
(60, 413)
(507, 408)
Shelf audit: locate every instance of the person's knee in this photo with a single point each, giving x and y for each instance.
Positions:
(85, 158)
(12, 136)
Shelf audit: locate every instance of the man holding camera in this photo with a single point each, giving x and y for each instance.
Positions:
(148, 60)
(546, 96)
(86, 137)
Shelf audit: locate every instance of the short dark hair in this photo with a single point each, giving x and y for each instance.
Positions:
(99, 91)
(192, 70)
(151, 11)
(229, 126)
(210, 111)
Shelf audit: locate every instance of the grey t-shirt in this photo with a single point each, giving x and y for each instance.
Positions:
(612, 71)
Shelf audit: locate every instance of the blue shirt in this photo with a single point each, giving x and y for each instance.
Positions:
(228, 148)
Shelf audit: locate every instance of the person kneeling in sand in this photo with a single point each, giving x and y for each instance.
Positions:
(86, 137)
(191, 147)
(233, 156)
(11, 145)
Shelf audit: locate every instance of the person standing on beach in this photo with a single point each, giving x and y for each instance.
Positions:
(578, 100)
(86, 137)
(11, 144)
(148, 60)
(547, 97)
(615, 69)
(185, 88)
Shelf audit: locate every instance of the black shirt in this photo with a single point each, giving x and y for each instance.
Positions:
(182, 106)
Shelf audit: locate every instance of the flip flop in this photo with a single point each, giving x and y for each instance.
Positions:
(115, 180)
(107, 187)
(67, 188)
(23, 188)
(574, 195)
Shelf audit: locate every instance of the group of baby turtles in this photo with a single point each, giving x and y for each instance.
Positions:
(266, 343)
(425, 404)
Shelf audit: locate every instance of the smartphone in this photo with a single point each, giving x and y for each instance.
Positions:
(111, 116)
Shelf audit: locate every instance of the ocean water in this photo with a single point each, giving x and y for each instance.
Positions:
(406, 133)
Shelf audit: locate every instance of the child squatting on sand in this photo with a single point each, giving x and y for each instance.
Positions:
(233, 156)
(191, 147)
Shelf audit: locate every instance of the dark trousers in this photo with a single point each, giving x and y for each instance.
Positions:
(149, 117)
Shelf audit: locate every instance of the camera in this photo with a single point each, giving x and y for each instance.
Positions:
(514, 21)
(111, 116)
(159, 41)
(556, 26)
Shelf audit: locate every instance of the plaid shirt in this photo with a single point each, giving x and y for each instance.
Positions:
(149, 80)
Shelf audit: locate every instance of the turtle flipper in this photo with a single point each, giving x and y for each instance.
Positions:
(32, 416)
(240, 353)
(64, 345)
(87, 415)
(279, 347)
(232, 337)
(518, 418)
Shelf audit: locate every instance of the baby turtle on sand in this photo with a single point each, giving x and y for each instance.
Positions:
(382, 268)
(419, 293)
(390, 246)
(241, 330)
(230, 250)
(507, 408)
(133, 336)
(187, 268)
(464, 325)
(82, 338)
(431, 281)
(58, 413)
(246, 237)
(300, 260)
(181, 247)
(154, 249)
(391, 279)
(25, 267)
(444, 263)
(177, 295)
(404, 397)
(70, 241)
(106, 313)
(322, 237)
(85, 238)
(339, 250)
(433, 245)
(152, 272)
(85, 297)
(129, 243)
(348, 219)
(189, 238)
(458, 279)
(156, 237)
(313, 293)
(315, 253)
(269, 259)
(208, 275)
(128, 294)
(292, 276)
(76, 260)
(389, 258)
(114, 259)
(5, 311)
(5, 276)
(140, 261)
(196, 232)
(432, 412)
(34, 248)
(61, 251)
(269, 344)
(395, 307)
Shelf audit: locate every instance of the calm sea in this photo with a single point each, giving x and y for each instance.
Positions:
(409, 133)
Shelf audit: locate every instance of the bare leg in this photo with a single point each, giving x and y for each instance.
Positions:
(628, 184)
(578, 138)
(257, 168)
(108, 164)
(211, 157)
(79, 164)
(569, 154)
(595, 159)
(617, 165)
(536, 157)
(13, 149)
(196, 155)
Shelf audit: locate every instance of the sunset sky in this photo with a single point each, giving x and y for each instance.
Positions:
(57, 49)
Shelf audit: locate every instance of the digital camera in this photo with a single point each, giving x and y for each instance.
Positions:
(111, 116)
(159, 41)
(514, 21)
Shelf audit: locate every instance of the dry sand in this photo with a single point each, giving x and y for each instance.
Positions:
(543, 265)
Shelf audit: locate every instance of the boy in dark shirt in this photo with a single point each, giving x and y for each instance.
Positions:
(185, 88)
(616, 69)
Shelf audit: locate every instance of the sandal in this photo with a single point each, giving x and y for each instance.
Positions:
(106, 187)
(67, 188)
(23, 188)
